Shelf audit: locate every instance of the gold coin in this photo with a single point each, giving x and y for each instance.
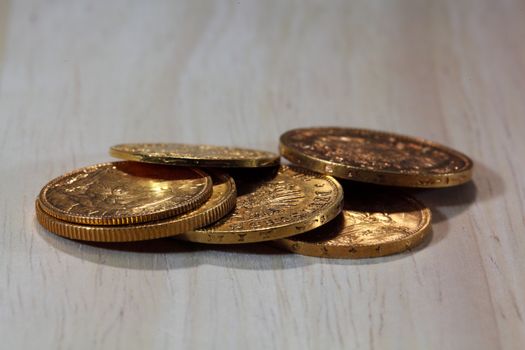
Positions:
(376, 157)
(288, 202)
(219, 204)
(372, 224)
(122, 193)
(194, 155)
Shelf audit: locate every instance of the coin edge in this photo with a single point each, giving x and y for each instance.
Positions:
(363, 251)
(287, 230)
(60, 214)
(192, 162)
(143, 231)
(380, 177)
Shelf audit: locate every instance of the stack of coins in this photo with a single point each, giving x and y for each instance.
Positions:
(224, 195)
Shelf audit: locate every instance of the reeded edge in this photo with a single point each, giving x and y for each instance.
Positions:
(287, 230)
(60, 214)
(199, 162)
(360, 251)
(165, 228)
(379, 177)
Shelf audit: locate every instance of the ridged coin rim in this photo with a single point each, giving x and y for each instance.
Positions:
(183, 207)
(202, 216)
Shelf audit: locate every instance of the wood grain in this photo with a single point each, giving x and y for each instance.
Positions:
(79, 76)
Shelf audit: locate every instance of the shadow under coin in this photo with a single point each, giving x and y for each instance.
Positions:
(489, 183)
(171, 254)
(156, 171)
(247, 180)
(447, 203)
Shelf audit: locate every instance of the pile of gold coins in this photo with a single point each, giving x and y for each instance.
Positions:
(223, 195)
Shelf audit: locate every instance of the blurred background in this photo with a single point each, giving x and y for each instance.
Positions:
(191, 71)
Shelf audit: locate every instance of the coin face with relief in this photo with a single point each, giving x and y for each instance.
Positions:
(219, 204)
(372, 224)
(195, 155)
(376, 157)
(280, 204)
(122, 193)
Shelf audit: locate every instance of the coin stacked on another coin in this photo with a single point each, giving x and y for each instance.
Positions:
(224, 195)
(376, 220)
(130, 201)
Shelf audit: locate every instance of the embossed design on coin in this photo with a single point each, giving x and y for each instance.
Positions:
(124, 192)
(219, 204)
(372, 224)
(376, 157)
(196, 155)
(289, 202)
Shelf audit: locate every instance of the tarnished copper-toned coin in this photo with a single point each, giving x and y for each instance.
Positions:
(376, 157)
(285, 203)
(372, 224)
(195, 155)
(122, 193)
(219, 204)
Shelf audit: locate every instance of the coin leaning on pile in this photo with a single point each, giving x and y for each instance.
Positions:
(224, 195)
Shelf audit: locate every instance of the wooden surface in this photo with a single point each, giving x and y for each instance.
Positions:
(79, 76)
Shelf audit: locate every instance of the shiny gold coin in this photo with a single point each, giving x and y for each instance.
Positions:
(376, 157)
(219, 204)
(194, 155)
(122, 193)
(288, 202)
(371, 225)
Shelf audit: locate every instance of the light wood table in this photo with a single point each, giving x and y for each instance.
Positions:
(79, 76)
